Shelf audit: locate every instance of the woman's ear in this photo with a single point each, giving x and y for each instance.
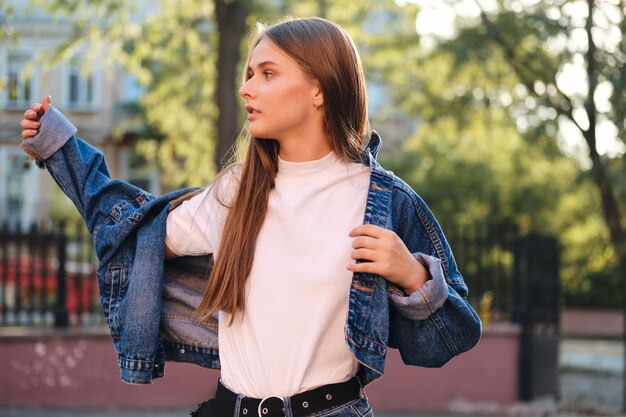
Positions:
(318, 97)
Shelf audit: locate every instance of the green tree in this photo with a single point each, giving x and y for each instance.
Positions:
(484, 172)
(518, 59)
(187, 55)
(556, 67)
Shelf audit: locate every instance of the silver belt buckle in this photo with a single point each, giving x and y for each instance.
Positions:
(263, 411)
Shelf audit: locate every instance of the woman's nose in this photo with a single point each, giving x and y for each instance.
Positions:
(245, 90)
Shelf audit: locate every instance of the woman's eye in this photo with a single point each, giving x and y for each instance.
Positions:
(268, 74)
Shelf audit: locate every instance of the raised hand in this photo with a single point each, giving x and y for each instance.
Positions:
(30, 124)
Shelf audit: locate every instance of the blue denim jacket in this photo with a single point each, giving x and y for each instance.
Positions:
(148, 302)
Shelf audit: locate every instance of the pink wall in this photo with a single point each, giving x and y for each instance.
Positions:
(487, 373)
(69, 370)
(592, 322)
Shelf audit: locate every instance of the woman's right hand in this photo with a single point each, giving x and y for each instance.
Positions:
(30, 124)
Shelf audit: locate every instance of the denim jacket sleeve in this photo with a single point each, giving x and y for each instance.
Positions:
(427, 299)
(81, 172)
(438, 315)
(127, 226)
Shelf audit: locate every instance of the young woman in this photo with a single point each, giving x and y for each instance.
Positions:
(321, 259)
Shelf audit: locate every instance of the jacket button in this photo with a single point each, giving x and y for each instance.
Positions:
(182, 351)
(305, 404)
(329, 397)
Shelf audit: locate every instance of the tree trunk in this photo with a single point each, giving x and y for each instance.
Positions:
(231, 24)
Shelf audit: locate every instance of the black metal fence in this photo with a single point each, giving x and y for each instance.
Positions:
(47, 276)
(485, 257)
(515, 279)
(536, 309)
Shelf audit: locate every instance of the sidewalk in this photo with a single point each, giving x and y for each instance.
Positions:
(592, 375)
(603, 356)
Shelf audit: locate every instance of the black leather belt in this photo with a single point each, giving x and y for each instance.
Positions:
(303, 404)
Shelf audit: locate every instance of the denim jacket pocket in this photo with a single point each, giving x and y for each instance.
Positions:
(115, 285)
(124, 210)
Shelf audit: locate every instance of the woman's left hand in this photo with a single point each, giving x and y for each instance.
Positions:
(388, 256)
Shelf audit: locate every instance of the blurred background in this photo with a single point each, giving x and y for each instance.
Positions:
(507, 117)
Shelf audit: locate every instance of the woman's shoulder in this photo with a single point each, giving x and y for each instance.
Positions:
(223, 189)
(228, 179)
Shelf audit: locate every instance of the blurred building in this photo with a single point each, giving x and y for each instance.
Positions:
(99, 102)
(93, 98)
(388, 119)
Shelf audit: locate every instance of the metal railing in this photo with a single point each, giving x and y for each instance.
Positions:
(48, 276)
(485, 257)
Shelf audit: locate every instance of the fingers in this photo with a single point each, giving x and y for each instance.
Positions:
(31, 114)
(369, 230)
(367, 254)
(41, 108)
(36, 107)
(30, 124)
(366, 267)
(45, 103)
(28, 133)
(365, 242)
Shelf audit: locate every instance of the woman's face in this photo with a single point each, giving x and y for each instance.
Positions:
(281, 98)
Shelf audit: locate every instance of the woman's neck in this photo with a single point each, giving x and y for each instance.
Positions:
(302, 150)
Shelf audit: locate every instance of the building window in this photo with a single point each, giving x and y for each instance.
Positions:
(19, 82)
(80, 91)
(138, 171)
(133, 91)
(18, 187)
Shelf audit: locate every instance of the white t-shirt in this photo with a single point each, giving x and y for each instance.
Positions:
(291, 336)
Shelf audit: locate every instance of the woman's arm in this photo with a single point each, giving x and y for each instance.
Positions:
(168, 253)
(80, 170)
(435, 323)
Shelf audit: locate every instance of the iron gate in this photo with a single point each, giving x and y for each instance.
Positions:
(536, 308)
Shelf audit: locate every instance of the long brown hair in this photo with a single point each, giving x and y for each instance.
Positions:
(334, 61)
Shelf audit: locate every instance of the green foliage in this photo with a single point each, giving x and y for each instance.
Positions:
(178, 48)
(483, 172)
(493, 102)
(169, 48)
(490, 104)
(589, 274)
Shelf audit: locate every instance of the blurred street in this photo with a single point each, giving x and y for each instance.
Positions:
(592, 376)
(591, 382)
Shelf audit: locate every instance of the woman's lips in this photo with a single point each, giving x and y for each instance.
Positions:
(252, 112)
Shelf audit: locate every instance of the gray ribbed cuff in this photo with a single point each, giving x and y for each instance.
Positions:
(429, 297)
(54, 131)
